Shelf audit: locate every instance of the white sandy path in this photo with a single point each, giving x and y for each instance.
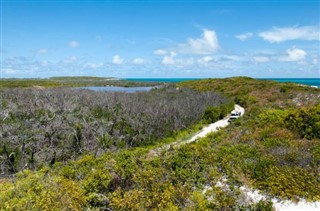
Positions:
(214, 126)
(251, 194)
(205, 131)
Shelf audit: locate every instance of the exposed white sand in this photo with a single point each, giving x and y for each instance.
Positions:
(291, 206)
(213, 127)
(280, 205)
(205, 131)
(250, 195)
(253, 196)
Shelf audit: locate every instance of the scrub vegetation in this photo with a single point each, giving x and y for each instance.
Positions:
(56, 125)
(274, 147)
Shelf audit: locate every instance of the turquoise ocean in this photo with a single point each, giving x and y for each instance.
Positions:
(304, 81)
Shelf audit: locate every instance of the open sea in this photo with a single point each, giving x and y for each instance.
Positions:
(304, 81)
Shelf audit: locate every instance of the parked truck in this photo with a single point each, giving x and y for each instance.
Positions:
(234, 115)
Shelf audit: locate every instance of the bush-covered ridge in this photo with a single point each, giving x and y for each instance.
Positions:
(274, 147)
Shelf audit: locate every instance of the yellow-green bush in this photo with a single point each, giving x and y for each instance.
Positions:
(163, 196)
(41, 191)
(291, 182)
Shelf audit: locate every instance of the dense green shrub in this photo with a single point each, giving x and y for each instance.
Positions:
(213, 114)
(40, 191)
(306, 122)
(290, 182)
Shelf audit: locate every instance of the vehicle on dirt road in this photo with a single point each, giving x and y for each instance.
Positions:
(234, 115)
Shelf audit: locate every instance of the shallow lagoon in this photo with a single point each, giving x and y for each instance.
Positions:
(118, 89)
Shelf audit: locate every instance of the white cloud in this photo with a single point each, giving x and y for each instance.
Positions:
(43, 51)
(8, 71)
(44, 63)
(94, 65)
(70, 60)
(229, 58)
(160, 52)
(117, 59)
(261, 59)
(244, 36)
(173, 54)
(169, 60)
(206, 44)
(138, 61)
(291, 33)
(315, 61)
(74, 44)
(177, 62)
(188, 61)
(294, 55)
(205, 60)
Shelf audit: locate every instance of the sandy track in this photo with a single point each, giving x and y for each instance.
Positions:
(251, 194)
(205, 131)
(213, 127)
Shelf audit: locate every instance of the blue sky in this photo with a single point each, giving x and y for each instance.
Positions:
(142, 39)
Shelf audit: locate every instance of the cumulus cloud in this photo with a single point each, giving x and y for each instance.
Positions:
(277, 34)
(261, 59)
(138, 61)
(206, 44)
(177, 62)
(43, 51)
(169, 60)
(117, 59)
(160, 52)
(294, 55)
(74, 44)
(244, 36)
(205, 60)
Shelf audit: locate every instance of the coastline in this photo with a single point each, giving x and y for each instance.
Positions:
(311, 82)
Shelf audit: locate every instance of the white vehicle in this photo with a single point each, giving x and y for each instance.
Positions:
(234, 115)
